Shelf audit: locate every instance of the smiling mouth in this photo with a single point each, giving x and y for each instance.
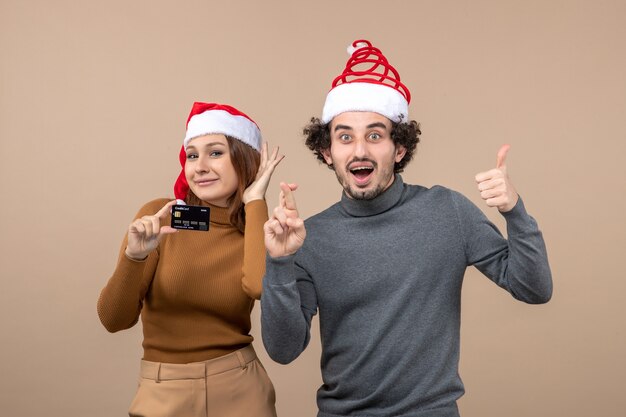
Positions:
(205, 181)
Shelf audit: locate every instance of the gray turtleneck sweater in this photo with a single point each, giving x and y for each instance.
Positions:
(385, 276)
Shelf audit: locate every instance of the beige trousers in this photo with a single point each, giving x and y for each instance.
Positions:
(234, 385)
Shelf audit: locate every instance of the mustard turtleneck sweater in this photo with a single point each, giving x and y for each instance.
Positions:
(194, 292)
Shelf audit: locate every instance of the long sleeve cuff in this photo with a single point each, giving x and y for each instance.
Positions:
(280, 271)
(128, 266)
(518, 220)
(256, 208)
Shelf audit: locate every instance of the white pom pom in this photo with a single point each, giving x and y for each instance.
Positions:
(180, 202)
(351, 48)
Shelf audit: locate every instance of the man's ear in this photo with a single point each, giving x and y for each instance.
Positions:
(400, 152)
(326, 154)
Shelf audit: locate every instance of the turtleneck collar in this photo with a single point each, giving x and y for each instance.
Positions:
(382, 203)
(218, 215)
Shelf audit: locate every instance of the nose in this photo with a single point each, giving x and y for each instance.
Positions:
(360, 148)
(202, 166)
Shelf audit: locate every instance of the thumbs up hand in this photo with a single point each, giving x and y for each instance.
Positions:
(494, 185)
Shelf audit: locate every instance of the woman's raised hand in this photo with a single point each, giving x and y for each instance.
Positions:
(256, 190)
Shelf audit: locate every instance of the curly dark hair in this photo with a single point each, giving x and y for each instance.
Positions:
(404, 134)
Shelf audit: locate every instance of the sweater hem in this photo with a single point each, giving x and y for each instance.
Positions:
(448, 411)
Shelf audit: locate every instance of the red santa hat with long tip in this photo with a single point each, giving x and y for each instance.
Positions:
(368, 83)
(214, 118)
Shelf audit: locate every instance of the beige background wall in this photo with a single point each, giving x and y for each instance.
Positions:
(93, 100)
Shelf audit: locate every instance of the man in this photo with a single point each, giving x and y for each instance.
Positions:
(384, 266)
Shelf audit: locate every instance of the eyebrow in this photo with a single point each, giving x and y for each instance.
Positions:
(377, 124)
(339, 127)
(370, 126)
(207, 145)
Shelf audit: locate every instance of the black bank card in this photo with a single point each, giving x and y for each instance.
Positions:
(190, 217)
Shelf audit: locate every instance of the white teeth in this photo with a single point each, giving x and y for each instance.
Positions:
(361, 168)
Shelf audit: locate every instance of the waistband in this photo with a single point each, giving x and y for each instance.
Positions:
(159, 371)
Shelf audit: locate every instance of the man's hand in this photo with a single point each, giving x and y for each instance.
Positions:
(494, 185)
(284, 231)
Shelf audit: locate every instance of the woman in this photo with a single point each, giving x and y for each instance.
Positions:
(194, 289)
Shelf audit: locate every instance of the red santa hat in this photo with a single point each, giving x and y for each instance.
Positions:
(213, 118)
(368, 83)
